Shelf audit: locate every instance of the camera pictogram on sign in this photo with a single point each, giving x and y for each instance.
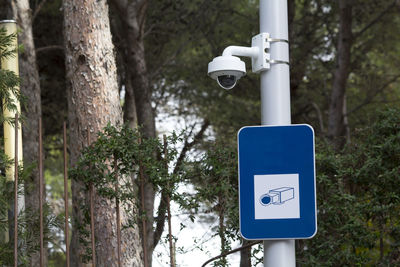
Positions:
(277, 196)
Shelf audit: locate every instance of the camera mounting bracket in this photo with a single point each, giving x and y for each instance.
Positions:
(263, 60)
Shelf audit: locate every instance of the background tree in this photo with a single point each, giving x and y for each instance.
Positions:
(362, 228)
(28, 219)
(216, 168)
(32, 111)
(93, 101)
(134, 30)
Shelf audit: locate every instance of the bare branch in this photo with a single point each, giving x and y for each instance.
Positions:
(168, 60)
(369, 98)
(231, 251)
(161, 211)
(160, 219)
(142, 16)
(375, 20)
(188, 146)
(50, 47)
(37, 10)
(319, 115)
(120, 5)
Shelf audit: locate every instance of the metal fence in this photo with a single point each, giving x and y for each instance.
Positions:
(91, 200)
(40, 196)
(66, 215)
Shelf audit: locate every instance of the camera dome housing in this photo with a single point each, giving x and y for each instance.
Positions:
(226, 70)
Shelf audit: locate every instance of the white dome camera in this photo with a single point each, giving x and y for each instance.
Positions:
(226, 70)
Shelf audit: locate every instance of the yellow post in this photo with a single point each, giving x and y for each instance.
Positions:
(11, 64)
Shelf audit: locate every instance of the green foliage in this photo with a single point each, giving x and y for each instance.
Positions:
(218, 167)
(357, 190)
(8, 79)
(57, 259)
(127, 149)
(113, 165)
(185, 36)
(358, 199)
(215, 180)
(28, 220)
(5, 42)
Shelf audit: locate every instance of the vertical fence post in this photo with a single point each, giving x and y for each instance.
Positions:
(16, 194)
(41, 190)
(117, 210)
(144, 230)
(171, 245)
(66, 234)
(91, 193)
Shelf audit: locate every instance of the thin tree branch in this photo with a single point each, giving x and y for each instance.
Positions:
(188, 146)
(230, 252)
(142, 17)
(369, 98)
(168, 60)
(120, 5)
(375, 20)
(37, 10)
(319, 115)
(160, 219)
(49, 47)
(161, 211)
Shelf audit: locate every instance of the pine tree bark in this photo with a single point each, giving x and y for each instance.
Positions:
(93, 101)
(337, 107)
(30, 88)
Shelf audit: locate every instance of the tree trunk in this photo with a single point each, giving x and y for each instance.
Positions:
(221, 228)
(130, 115)
(7, 10)
(93, 101)
(133, 14)
(119, 31)
(30, 88)
(337, 111)
(245, 255)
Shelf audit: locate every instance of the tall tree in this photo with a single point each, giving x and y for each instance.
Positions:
(362, 29)
(30, 88)
(337, 107)
(131, 30)
(93, 101)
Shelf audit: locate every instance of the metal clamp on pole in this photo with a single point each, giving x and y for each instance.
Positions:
(276, 40)
(277, 61)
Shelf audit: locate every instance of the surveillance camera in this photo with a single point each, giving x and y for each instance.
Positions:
(227, 70)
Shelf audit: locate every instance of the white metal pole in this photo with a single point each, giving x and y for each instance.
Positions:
(275, 105)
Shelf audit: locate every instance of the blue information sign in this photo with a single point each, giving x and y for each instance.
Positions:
(277, 198)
